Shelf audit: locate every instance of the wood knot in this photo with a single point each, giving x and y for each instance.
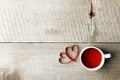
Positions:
(92, 11)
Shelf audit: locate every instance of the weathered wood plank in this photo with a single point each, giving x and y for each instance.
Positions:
(39, 61)
(59, 21)
(44, 20)
(106, 23)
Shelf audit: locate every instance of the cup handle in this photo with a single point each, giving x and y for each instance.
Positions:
(107, 55)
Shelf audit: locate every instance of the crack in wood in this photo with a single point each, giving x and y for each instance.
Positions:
(92, 11)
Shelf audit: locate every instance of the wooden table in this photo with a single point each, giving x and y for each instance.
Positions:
(33, 61)
(59, 21)
(51, 25)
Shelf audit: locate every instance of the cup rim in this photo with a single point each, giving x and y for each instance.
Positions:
(101, 63)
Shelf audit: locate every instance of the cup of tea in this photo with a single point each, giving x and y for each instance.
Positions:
(92, 58)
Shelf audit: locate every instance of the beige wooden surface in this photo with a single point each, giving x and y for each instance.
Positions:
(59, 21)
(39, 61)
(56, 21)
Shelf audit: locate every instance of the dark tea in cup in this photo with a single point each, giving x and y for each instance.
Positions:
(91, 58)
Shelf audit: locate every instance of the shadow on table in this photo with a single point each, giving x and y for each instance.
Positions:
(111, 68)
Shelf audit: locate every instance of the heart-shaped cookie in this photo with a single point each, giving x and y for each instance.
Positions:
(72, 52)
(64, 58)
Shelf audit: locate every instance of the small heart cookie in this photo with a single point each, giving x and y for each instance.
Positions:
(64, 58)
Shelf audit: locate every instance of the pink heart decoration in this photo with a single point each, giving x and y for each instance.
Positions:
(71, 53)
(64, 58)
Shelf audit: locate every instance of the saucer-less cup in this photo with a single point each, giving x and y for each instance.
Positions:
(97, 56)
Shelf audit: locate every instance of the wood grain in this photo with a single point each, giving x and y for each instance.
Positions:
(106, 22)
(59, 21)
(39, 61)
